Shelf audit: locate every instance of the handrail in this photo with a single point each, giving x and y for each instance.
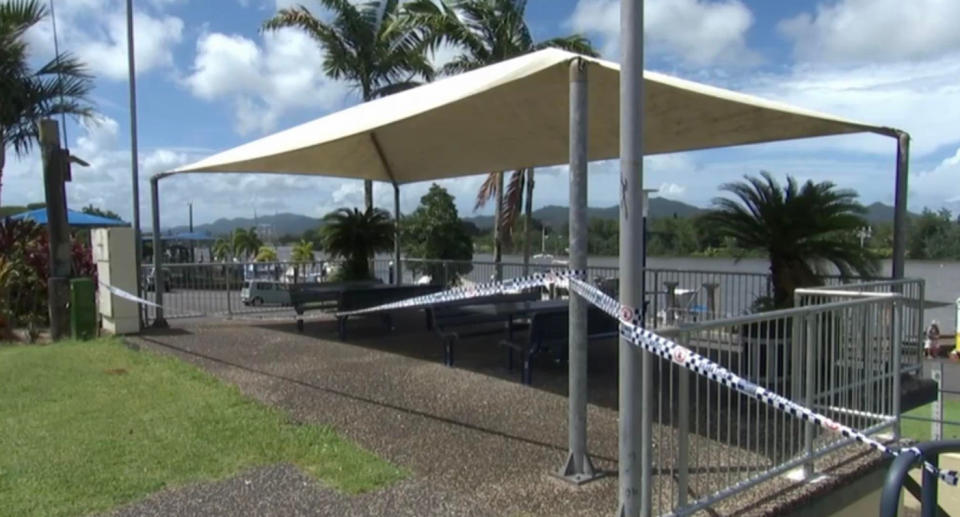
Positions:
(900, 468)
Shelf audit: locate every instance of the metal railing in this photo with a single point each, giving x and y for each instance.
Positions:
(911, 289)
(711, 442)
(673, 296)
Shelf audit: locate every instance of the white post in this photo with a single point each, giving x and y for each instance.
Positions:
(936, 426)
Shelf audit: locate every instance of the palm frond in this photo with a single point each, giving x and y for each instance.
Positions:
(487, 190)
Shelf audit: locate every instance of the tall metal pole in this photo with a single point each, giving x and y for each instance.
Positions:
(900, 205)
(134, 154)
(58, 234)
(158, 279)
(578, 467)
(398, 271)
(635, 367)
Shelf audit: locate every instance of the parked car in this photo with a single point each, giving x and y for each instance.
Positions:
(262, 292)
(150, 282)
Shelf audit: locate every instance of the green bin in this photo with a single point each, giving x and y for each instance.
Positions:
(83, 309)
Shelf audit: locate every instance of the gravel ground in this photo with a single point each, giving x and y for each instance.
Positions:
(475, 440)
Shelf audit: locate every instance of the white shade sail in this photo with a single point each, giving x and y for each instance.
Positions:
(515, 114)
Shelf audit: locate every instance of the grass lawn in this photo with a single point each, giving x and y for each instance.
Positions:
(919, 430)
(85, 427)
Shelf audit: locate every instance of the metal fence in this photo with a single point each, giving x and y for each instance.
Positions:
(913, 292)
(213, 289)
(673, 296)
(711, 442)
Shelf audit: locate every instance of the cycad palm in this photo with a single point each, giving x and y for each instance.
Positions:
(359, 48)
(356, 237)
(487, 32)
(59, 87)
(800, 227)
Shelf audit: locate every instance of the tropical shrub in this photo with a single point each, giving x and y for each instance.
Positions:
(26, 261)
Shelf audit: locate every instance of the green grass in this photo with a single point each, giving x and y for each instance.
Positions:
(85, 427)
(920, 431)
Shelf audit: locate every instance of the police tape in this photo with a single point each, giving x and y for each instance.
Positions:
(128, 296)
(558, 278)
(631, 329)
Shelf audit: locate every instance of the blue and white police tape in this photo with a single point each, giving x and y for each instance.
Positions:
(128, 296)
(558, 278)
(631, 329)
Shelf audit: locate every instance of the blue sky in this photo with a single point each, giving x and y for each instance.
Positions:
(208, 80)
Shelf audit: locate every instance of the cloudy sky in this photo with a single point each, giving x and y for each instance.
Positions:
(208, 80)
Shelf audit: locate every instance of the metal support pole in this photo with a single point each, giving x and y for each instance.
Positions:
(900, 205)
(498, 230)
(134, 154)
(897, 351)
(397, 269)
(158, 279)
(54, 169)
(578, 468)
(635, 438)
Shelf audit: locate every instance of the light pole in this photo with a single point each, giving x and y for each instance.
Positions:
(134, 155)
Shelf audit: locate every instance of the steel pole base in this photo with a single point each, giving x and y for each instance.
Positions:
(569, 472)
(160, 323)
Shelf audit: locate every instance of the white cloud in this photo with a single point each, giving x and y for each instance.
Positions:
(697, 32)
(871, 30)
(671, 190)
(96, 32)
(942, 183)
(922, 98)
(263, 81)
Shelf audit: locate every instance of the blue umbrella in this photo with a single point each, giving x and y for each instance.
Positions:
(74, 218)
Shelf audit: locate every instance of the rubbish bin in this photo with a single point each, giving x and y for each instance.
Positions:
(83, 309)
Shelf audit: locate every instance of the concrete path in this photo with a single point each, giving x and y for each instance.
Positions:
(476, 441)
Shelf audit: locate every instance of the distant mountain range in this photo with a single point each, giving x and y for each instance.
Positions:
(277, 225)
(553, 216)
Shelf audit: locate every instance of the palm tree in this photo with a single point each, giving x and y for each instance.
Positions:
(246, 243)
(223, 249)
(801, 228)
(356, 237)
(487, 32)
(359, 48)
(58, 87)
(302, 253)
(266, 254)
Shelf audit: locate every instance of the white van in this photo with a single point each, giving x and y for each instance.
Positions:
(261, 292)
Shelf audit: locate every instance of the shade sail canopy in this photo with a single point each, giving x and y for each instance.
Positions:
(515, 114)
(74, 218)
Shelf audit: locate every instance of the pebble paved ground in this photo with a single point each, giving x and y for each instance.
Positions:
(475, 440)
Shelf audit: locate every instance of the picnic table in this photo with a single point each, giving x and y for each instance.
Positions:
(494, 314)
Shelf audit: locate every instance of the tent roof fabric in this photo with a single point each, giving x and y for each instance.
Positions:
(74, 218)
(515, 114)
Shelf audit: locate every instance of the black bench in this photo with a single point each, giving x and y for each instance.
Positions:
(348, 297)
(322, 296)
(362, 298)
(452, 321)
(551, 331)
